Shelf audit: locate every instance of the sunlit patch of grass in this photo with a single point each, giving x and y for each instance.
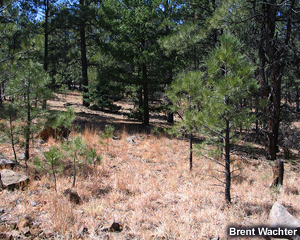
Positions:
(148, 187)
(91, 137)
(63, 217)
(94, 208)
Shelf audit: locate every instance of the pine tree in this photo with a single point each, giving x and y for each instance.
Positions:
(76, 148)
(211, 103)
(186, 96)
(27, 90)
(230, 79)
(133, 29)
(53, 159)
(266, 28)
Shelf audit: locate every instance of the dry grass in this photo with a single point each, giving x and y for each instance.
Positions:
(147, 186)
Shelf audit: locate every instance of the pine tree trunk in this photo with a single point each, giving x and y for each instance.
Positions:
(46, 3)
(170, 117)
(191, 152)
(256, 114)
(227, 164)
(270, 49)
(146, 95)
(297, 99)
(140, 97)
(74, 169)
(84, 65)
(1, 102)
(54, 176)
(12, 138)
(28, 124)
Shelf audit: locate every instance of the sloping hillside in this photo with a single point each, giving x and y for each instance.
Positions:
(144, 183)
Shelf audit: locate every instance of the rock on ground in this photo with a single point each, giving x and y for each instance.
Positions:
(279, 216)
(73, 196)
(11, 179)
(24, 222)
(6, 163)
(114, 227)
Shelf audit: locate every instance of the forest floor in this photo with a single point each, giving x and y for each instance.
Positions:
(144, 182)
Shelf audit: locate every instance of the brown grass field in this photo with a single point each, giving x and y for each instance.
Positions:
(147, 187)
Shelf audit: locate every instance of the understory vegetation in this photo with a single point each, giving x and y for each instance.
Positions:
(143, 181)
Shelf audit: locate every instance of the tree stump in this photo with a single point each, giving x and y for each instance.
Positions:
(278, 171)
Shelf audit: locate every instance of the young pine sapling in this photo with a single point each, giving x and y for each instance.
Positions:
(107, 134)
(53, 159)
(76, 148)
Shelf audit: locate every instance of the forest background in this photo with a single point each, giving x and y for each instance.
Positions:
(218, 69)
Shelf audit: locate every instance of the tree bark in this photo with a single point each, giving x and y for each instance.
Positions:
(1, 102)
(54, 176)
(227, 164)
(12, 137)
(191, 151)
(140, 91)
(145, 87)
(170, 117)
(46, 48)
(46, 3)
(74, 171)
(146, 103)
(84, 64)
(28, 124)
(297, 99)
(278, 172)
(273, 52)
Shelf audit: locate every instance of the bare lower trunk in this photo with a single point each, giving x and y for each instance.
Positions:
(46, 48)
(28, 126)
(1, 102)
(191, 152)
(84, 64)
(74, 174)
(146, 95)
(12, 139)
(227, 164)
(54, 176)
(297, 99)
(272, 56)
(170, 116)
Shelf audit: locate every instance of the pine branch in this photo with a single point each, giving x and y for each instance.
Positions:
(208, 175)
(239, 169)
(213, 160)
(219, 134)
(179, 115)
(216, 185)
(6, 59)
(219, 171)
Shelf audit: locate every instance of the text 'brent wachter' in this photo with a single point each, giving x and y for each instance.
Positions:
(233, 231)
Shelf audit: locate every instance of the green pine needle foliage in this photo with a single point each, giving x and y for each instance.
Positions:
(229, 80)
(53, 159)
(59, 120)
